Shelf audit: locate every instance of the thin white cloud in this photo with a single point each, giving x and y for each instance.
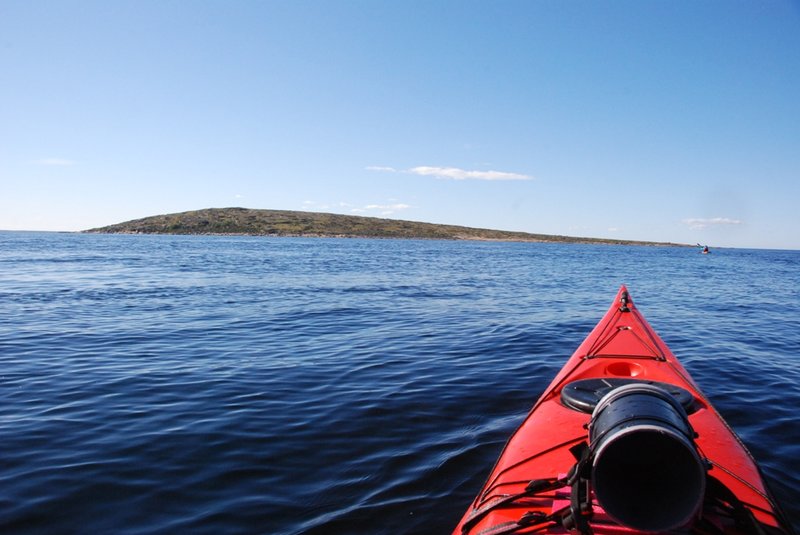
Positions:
(453, 173)
(381, 209)
(381, 169)
(393, 207)
(698, 223)
(613, 229)
(55, 162)
(373, 209)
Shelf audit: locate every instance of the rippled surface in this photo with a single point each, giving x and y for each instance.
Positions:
(155, 384)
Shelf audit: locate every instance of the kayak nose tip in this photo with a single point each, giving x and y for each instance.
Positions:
(624, 300)
(624, 294)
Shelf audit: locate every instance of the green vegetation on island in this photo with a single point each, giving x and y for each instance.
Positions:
(250, 222)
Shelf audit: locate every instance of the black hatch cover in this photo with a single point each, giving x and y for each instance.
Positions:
(584, 395)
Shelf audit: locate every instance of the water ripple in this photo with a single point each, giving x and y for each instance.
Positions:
(241, 385)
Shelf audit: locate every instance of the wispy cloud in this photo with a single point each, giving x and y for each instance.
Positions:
(453, 173)
(325, 206)
(369, 209)
(55, 162)
(388, 209)
(381, 169)
(381, 209)
(698, 223)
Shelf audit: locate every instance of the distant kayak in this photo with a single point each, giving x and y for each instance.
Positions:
(623, 441)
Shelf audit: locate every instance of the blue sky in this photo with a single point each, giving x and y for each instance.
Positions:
(656, 120)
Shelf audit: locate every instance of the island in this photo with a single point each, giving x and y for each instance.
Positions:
(288, 223)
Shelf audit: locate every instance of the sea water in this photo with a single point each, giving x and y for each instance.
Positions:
(165, 384)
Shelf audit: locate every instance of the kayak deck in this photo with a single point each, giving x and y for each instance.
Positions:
(622, 348)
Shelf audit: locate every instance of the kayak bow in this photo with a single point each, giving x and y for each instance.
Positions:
(623, 441)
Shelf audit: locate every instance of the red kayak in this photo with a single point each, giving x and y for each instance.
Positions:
(623, 441)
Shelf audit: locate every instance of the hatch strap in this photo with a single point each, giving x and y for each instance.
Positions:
(576, 515)
(532, 519)
(580, 505)
(722, 496)
(529, 519)
(537, 486)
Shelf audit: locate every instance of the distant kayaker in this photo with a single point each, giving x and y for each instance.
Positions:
(705, 249)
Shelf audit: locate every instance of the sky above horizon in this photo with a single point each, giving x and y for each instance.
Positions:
(666, 121)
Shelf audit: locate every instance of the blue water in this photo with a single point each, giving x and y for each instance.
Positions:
(159, 384)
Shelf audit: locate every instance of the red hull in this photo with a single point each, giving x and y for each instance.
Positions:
(622, 345)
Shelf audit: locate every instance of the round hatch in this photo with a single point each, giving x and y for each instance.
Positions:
(585, 394)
